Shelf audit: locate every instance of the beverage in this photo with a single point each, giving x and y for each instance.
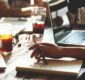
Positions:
(6, 42)
(39, 20)
(39, 27)
(6, 38)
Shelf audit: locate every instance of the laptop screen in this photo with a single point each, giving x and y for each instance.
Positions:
(64, 34)
(58, 19)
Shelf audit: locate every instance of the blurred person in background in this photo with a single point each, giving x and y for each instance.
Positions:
(7, 9)
(73, 6)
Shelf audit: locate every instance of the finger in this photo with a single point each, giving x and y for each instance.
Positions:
(47, 44)
(38, 59)
(43, 48)
(37, 56)
(43, 44)
(33, 47)
(34, 53)
(37, 46)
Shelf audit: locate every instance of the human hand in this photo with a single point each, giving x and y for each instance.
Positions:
(50, 50)
(32, 9)
(26, 11)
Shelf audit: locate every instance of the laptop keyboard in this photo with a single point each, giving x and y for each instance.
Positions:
(75, 37)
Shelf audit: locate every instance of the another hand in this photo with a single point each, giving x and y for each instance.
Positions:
(50, 50)
(27, 11)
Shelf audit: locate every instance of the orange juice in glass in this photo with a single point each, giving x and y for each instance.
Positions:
(6, 42)
(5, 38)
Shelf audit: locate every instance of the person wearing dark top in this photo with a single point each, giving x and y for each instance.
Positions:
(73, 6)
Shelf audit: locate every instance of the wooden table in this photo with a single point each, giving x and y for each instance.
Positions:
(21, 53)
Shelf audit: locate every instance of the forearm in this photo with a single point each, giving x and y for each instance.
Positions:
(14, 13)
(75, 52)
(7, 11)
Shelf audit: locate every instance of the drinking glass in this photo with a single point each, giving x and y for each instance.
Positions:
(39, 19)
(6, 38)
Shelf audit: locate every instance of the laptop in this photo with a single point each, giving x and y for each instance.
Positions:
(64, 35)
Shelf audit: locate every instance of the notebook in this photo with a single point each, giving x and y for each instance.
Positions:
(54, 68)
(2, 63)
(64, 34)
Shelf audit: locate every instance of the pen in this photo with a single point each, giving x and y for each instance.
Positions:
(42, 54)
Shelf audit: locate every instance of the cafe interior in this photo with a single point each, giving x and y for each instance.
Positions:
(24, 23)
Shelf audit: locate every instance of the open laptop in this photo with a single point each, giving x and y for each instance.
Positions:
(65, 35)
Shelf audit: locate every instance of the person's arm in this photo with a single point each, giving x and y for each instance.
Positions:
(7, 11)
(55, 51)
(76, 52)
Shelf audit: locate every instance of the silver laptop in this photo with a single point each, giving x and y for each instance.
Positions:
(65, 35)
